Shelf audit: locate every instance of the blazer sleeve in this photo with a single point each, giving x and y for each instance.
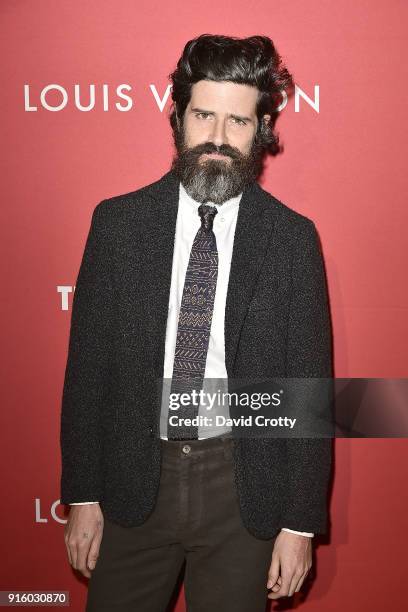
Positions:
(86, 372)
(309, 354)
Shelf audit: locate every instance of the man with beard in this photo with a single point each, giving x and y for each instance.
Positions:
(199, 275)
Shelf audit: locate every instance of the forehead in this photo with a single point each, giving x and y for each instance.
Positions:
(224, 96)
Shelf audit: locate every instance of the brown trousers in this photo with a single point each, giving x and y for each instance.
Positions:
(195, 525)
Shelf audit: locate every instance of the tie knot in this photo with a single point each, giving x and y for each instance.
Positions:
(207, 214)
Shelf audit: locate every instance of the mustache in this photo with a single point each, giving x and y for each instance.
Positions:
(209, 147)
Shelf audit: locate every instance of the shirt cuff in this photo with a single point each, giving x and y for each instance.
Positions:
(304, 533)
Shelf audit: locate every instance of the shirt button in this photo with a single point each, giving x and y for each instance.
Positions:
(186, 449)
(222, 219)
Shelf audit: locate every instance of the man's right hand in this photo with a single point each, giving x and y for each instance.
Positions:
(83, 536)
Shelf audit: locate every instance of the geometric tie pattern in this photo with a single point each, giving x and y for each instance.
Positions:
(194, 322)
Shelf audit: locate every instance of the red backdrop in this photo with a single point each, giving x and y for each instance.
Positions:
(343, 166)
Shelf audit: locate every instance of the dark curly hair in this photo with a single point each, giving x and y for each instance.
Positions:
(250, 61)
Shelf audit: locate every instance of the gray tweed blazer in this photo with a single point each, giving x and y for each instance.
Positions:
(277, 324)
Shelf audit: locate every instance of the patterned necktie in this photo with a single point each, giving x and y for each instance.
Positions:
(194, 323)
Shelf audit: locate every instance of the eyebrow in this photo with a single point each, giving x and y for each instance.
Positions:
(202, 110)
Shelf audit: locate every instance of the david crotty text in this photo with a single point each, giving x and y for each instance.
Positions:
(219, 420)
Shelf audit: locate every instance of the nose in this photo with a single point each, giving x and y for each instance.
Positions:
(218, 136)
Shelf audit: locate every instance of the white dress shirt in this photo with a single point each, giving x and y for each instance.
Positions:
(187, 225)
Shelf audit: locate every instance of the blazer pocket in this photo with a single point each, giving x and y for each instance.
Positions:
(260, 306)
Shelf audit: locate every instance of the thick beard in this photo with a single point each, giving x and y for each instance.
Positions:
(215, 180)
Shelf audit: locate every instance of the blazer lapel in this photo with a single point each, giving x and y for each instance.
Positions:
(255, 224)
(163, 215)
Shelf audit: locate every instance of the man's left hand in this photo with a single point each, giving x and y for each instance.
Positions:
(291, 561)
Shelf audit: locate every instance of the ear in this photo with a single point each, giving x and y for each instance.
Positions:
(266, 118)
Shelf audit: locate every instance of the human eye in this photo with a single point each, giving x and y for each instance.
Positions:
(202, 115)
(238, 121)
